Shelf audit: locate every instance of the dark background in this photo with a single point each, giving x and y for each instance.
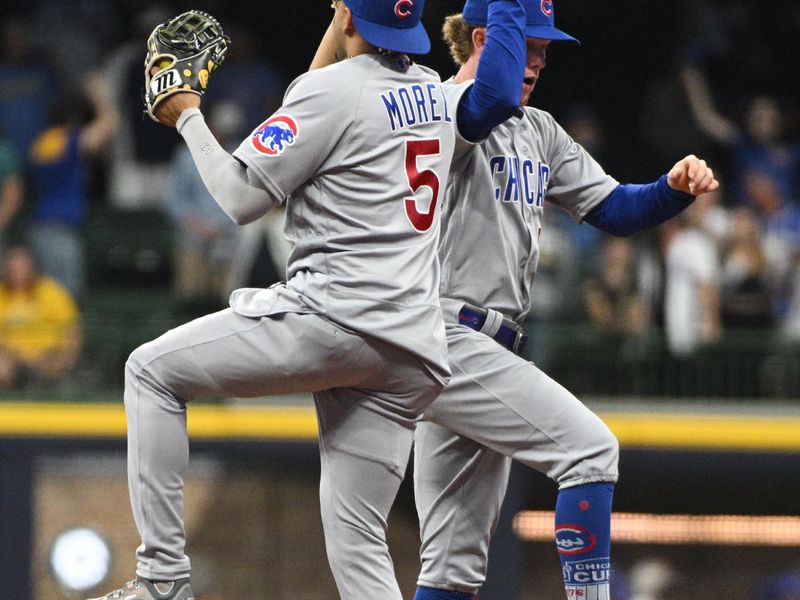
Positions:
(627, 47)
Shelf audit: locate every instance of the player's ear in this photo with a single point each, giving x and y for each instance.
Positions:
(479, 38)
(347, 22)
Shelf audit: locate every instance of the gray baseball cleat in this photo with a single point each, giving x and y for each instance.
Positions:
(144, 589)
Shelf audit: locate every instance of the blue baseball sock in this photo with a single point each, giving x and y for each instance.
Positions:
(583, 539)
(426, 593)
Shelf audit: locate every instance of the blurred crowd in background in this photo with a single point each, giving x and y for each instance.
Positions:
(658, 579)
(82, 173)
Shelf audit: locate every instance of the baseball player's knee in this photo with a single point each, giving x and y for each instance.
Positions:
(609, 445)
(596, 460)
(133, 365)
(138, 360)
(603, 450)
(140, 368)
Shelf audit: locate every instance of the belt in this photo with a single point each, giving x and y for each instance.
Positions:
(503, 331)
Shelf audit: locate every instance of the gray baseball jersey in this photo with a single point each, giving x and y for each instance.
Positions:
(498, 405)
(364, 228)
(359, 152)
(495, 201)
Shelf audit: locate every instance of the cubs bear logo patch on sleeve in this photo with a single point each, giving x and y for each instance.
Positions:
(275, 134)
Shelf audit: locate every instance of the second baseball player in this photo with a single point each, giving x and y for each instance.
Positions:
(498, 406)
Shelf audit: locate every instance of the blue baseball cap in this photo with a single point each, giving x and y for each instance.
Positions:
(539, 19)
(391, 24)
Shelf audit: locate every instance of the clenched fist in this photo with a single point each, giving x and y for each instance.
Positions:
(692, 175)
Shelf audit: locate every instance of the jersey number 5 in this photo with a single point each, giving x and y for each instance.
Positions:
(419, 179)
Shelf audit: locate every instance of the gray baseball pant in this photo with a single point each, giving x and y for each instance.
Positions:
(497, 407)
(368, 395)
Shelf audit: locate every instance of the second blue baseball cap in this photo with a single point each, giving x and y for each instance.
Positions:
(391, 24)
(539, 22)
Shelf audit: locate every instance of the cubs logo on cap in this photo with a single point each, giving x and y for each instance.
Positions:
(404, 8)
(392, 25)
(539, 18)
(275, 134)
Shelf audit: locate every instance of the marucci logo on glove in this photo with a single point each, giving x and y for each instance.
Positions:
(187, 49)
(275, 134)
(164, 80)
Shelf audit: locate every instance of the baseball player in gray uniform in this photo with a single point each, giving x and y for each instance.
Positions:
(359, 153)
(497, 406)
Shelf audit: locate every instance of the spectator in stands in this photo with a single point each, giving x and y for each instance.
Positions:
(666, 123)
(11, 187)
(779, 224)
(745, 295)
(40, 336)
(614, 298)
(619, 300)
(28, 85)
(759, 146)
(715, 217)
(59, 168)
(206, 238)
(692, 282)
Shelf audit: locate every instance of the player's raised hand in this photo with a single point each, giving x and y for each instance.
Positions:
(182, 53)
(692, 176)
(170, 108)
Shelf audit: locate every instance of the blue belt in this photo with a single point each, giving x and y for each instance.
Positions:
(508, 334)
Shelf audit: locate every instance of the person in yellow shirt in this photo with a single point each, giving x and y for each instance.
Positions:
(40, 336)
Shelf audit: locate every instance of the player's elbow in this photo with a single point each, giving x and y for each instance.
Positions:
(242, 212)
(501, 110)
(242, 203)
(228, 203)
(508, 105)
(477, 125)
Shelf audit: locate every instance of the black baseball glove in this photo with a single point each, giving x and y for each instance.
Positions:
(186, 50)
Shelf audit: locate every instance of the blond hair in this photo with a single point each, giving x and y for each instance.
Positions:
(457, 33)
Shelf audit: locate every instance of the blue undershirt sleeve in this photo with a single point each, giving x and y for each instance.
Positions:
(631, 208)
(495, 95)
